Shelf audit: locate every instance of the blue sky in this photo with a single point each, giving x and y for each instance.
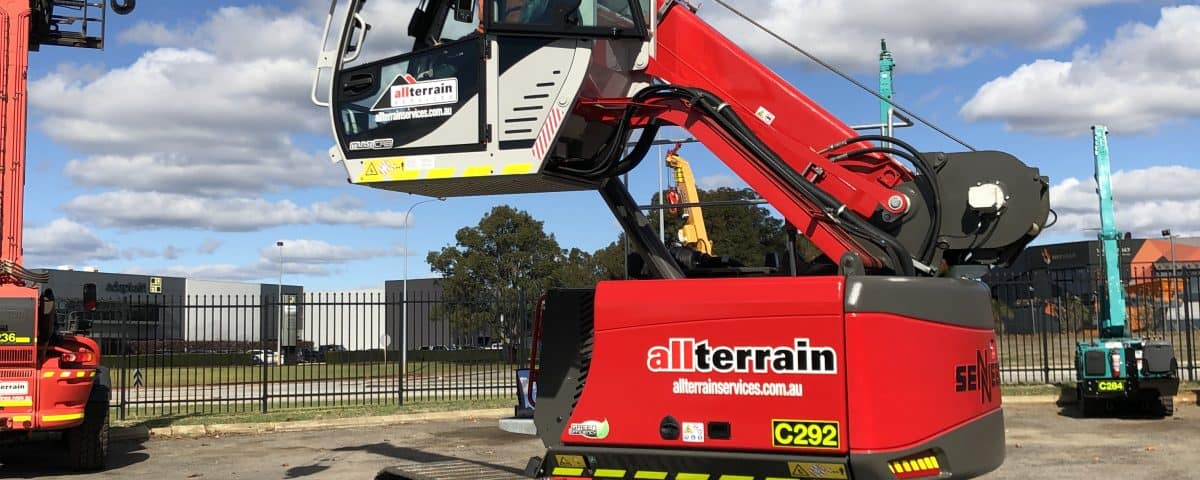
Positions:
(188, 146)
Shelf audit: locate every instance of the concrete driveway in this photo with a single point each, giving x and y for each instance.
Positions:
(1043, 442)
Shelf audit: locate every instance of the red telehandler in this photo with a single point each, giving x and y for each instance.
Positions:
(880, 364)
(51, 382)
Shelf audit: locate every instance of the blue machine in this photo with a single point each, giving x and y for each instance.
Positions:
(1116, 368)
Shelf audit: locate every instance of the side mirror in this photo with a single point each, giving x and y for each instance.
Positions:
(89, 297)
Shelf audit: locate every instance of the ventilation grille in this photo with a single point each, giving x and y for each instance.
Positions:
(587, 336)
(24, 355)
(16, 373)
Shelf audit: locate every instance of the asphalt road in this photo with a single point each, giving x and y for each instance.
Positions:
(1043, 442)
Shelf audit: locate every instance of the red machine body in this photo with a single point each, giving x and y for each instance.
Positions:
(50, 381)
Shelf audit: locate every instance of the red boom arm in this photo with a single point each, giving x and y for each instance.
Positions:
(691, 53)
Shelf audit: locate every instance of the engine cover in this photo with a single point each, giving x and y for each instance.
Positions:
(833, 368)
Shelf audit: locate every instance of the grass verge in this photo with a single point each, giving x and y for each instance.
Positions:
(321, 413)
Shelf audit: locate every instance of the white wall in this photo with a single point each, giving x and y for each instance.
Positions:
(354, 319)
(222, 311)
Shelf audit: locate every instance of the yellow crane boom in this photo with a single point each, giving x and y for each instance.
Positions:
(692, 234)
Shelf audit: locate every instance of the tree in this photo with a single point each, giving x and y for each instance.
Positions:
(745, 233)
(610, 260)
(497, 269)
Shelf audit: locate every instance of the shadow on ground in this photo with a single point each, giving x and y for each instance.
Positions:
(43, 458)
(1068, 403)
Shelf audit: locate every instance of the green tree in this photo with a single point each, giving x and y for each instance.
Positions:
(497, 269)
(745, 233)
(610, 260)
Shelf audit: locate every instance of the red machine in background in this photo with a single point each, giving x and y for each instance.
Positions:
(876, 362)
(50, 381)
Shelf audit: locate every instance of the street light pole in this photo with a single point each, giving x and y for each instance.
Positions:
(279, 318)
(404, 292)
(1171, 305)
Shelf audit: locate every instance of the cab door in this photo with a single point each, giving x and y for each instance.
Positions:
(430, 100)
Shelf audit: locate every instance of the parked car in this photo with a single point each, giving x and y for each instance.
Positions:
(311, 356)
(262, 356)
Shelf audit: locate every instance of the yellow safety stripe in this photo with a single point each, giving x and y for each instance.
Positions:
(435, 173)
(570, 472)
(650, 475)
(22, 418)
(608, 473)
(393, 169)
(691, 476)
(16, 403)
(517, 168)
(67, 373)
(62, 418)
(478, 171)
(736, 477)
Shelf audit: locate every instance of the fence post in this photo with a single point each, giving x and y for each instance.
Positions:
(125, 357)
(1191, 332)
(262, 342)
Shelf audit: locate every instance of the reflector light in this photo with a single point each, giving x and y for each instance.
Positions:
(921, 466)
(69, 357)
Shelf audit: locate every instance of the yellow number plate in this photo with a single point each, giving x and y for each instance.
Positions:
(806, 434)
(1111, 385)
(11, 337)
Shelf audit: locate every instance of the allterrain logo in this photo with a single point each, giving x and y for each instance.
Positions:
(689, 355)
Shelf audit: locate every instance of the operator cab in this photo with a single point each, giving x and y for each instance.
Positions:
(480, 101)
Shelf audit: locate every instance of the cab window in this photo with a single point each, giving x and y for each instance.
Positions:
(569, 16)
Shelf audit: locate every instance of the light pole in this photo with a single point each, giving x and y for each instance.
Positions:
(404, 292)
(279, 318)
(1167, 233)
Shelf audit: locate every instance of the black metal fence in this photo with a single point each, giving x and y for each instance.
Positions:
(1042, 314)
(240, 353)
(228, 354)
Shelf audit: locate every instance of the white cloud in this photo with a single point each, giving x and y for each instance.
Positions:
(145, 210)
(315, 252)
(300, 257)
(212, 110)
(925, 34)
(136, 253)
(1146, 201)
(258, 271)
(208, 246)
(171, 252)
(1143, 77)
(64, 241)
(711, 182)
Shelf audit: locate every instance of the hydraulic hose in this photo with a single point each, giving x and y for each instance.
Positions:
(926, 182)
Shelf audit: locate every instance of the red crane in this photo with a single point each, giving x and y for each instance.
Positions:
(877, 365)
(50, 381)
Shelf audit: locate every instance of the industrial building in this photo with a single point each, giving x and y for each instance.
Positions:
(1161, 278)
(133, 311)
